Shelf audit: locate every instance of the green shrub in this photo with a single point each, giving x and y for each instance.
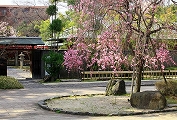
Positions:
(171, 68)
(169, 89)
(53, 65)
(9, 83)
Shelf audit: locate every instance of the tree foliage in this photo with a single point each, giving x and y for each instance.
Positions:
(166, 13)
(52, 10)
(67, 20)
(53, 64)
(45, 32)
(56, 26)
(29, 30)
(63, 25)
(110, 32)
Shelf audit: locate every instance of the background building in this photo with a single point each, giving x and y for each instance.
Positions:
(23, 18)
(14, 14)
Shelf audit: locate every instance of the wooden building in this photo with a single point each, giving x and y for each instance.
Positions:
(11, 47)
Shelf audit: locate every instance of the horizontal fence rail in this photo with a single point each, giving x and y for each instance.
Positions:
(105, 75)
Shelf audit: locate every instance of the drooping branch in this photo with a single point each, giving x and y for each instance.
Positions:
(174, 1)
(124, 22)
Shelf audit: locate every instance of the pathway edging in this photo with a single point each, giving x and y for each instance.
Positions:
(43, 105)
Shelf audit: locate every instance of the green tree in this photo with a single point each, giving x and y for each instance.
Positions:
(44, 30)
(62, 26)
(68, 22)
(166, 14)
(53, 64)
(28, 29)
(52, 10)
(56, 26)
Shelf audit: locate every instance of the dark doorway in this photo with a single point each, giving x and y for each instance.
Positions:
(3, 66)
(36, 64)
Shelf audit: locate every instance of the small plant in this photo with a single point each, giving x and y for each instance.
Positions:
(114, 102)
(9, 83)
(171, 100)
(58, 111)
(75, 96)
(90, 95)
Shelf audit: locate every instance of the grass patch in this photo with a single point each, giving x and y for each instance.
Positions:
(56, 81)
(171, 68)
(9, 83)
(171, 99)
(127, 94)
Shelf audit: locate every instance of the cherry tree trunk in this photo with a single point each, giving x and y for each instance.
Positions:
(139, 60)
(139, 70)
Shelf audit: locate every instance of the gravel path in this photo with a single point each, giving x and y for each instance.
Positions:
(22, 104)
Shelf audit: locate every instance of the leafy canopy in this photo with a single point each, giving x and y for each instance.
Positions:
(52, 10)
(53, 63)
(56, 26)
(45, 32)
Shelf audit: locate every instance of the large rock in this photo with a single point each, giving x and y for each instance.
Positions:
(115, 87)
(148, 100)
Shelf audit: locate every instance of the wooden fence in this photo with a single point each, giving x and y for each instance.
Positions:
(105, 75)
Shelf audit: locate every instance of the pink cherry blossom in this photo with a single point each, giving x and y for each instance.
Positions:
(110, 37)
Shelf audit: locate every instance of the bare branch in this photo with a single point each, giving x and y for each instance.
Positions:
(174, 1)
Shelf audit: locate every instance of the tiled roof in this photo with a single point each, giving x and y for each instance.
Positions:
(21, 41)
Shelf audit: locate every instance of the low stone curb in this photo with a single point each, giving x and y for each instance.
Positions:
(43, 105)
(70, 80)
(97, 83)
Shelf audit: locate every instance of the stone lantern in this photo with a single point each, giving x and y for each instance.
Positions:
(21, 58)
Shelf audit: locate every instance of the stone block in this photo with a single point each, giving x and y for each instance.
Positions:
(115, 87)
(148, 100)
